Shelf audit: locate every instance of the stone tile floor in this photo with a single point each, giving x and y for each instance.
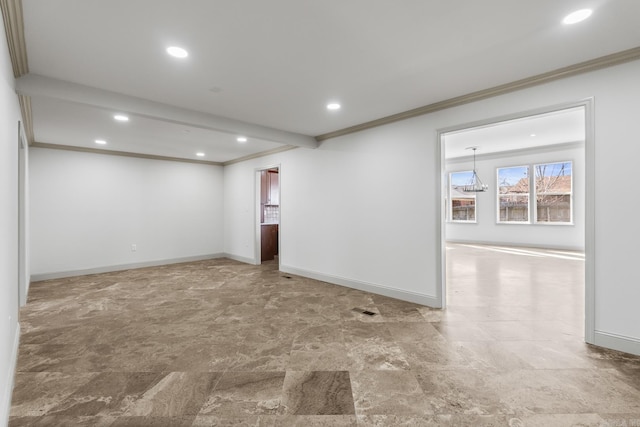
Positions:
(224, 343)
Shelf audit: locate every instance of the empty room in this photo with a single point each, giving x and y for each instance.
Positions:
(329, 213)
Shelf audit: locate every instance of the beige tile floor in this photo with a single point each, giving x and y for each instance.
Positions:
(223, 343)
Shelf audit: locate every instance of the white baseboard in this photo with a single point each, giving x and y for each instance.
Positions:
(518, 245)
(121, 267)
(617, 342)
(5, 409)
(239, 258)
(422, 299)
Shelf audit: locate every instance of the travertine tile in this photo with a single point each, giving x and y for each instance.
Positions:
(176, 394)
(246, 393)
(461, 391)
(388, 392)
(323, 357)
(560, 420)
(219, 342)
(153, 421)
(317, 421)
(467, 331)
(103, 394)
(317, 393)
(62, 421)
(36, 393)
(448, 420)
(235, 421)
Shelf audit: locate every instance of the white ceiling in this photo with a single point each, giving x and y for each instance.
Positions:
(272, 66)
(84, 124)
(558, 127)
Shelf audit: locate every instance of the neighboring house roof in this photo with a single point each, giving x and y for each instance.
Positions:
(545, 184)
(554, 184)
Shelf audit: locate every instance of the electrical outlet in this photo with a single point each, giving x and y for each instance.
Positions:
(133, 247)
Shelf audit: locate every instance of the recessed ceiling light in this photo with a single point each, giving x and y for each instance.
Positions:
(532, 135)
(101, 141)
(121, 118)
(200, 154)
(333, 106)
(577, 16)
(241, 139)
(177, 52)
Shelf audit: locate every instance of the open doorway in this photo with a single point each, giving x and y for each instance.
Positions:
(268, 215)
(515, 196)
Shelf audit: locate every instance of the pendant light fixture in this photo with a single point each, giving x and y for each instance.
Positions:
(475, 185)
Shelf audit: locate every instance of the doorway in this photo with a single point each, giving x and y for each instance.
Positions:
(508, 205)
(268, 215)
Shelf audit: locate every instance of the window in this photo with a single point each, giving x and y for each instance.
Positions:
(513, 194)
(553, 186)
(462, 207)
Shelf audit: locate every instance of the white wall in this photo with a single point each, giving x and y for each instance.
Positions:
(363, 207)
(9, 331)
(487, 230)
(88, 209)
(348, 214)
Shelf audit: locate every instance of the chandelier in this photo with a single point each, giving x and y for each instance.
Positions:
(475, 185)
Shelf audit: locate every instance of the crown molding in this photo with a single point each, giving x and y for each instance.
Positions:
(121, 153)
(560, 73)
(14, 29)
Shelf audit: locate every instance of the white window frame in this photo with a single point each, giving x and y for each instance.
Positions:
(450, 202)
(535, 195)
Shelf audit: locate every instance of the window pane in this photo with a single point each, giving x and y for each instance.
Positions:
(513, 180)
(553, 192)
(553, 208)
(514, 208)
(513, 190)
(463, 209)
(553, 178)
(463, 204)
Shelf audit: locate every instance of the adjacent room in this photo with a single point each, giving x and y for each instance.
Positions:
(514, 229)
(289, 212)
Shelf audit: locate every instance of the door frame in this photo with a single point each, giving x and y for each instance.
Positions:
(257, 250)
(589, 205)
(23, 254)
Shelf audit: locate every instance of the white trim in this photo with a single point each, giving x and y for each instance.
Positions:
(590, 222)
(23, 215)
(440, 204)
(121, 267)
(617, 342)
(422, 299)
(5, 409)
(239, 258)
